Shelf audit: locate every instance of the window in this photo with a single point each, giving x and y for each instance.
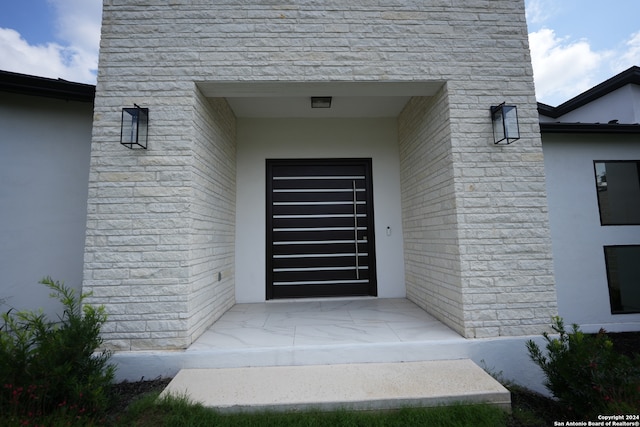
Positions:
(618, 185)
(623, 275)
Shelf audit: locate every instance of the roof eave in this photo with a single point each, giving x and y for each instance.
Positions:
(629, 76)
(45, 87)
(611, 128)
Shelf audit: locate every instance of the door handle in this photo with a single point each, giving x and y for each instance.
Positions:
(355, 227)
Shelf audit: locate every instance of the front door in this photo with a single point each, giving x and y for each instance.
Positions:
(320, 240)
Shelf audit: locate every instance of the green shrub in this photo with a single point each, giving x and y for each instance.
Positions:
(586, 374)
(50, 367)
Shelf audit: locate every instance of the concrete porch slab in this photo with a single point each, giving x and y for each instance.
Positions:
(328, 332)
(360, 386)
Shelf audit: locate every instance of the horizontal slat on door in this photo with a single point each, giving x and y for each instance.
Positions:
(321, 260)
(287, 183)
(317, 209)
(316, 275)
(316, 248)
(318, 222)
(316, 235)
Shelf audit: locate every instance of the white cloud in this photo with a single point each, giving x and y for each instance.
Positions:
(47, 60)
(78, 22)
(539, 11)
(630, 56)
(75, 58)
(563, 68)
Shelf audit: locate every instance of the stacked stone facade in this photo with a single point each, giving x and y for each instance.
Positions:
(160, 238)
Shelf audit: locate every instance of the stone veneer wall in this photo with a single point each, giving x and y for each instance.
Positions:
(146, 258)
(431, 247)
(214, 213)
(477, 243)
(508, 285)
(161, 222)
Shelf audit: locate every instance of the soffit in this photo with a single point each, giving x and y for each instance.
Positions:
(292, 99)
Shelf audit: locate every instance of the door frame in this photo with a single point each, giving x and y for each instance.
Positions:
(321, 291)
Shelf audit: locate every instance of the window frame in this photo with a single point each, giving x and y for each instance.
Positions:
(607, 270)
(595, 175)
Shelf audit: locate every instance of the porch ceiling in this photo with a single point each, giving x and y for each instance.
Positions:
(292, 99)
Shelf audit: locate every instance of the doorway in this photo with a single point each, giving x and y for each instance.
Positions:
(320, 228)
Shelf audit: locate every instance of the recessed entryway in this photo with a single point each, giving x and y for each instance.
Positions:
(330, 139)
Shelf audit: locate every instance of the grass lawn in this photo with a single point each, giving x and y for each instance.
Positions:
(138, 406)
(179, 412)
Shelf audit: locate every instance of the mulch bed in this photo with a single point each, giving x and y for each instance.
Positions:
(126, 392)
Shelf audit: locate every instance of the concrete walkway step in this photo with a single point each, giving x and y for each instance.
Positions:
(363, 386)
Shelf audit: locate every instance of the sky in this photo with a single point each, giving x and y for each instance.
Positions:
(575, 44)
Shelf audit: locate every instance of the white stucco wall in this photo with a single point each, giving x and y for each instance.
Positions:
(622, 104)
(261, 139)
(577, 236)
(44, 172)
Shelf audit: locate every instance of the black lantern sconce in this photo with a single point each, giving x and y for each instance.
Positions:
(135, 126)
(505, 124)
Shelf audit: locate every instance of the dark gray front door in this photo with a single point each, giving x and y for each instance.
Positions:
(320, 240)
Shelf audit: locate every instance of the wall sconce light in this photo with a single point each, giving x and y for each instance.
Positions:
(505, 124)
(320, 102)
(135, 123)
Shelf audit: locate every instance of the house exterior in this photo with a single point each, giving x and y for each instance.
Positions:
(181, 231)
(592, 159)
(172, 236)
(169, 237)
